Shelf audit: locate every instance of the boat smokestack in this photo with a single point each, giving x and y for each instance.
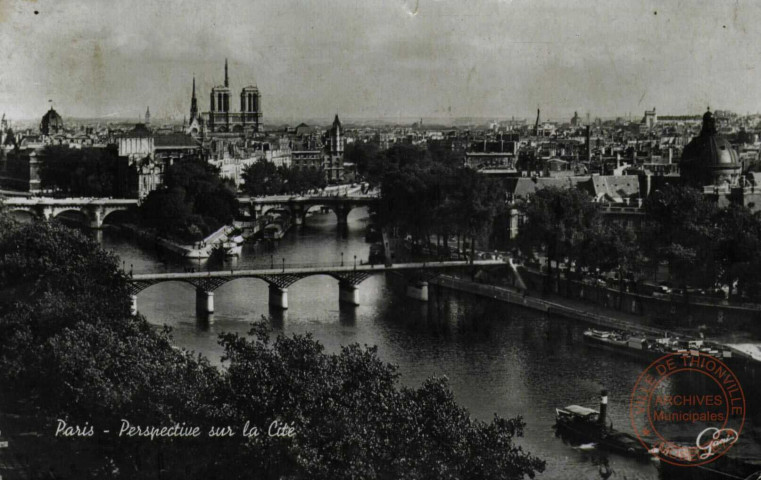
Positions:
(603, 408)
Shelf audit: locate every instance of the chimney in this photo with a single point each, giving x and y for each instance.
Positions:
(603, 408)
(671, 153)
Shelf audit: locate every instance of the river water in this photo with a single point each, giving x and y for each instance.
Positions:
(498, 358)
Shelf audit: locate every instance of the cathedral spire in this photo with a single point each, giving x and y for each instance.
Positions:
(227, 81)
(193, 102)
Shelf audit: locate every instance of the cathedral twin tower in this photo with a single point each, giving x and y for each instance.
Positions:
(219, 118)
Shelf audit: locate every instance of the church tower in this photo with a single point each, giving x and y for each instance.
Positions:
(219, 115)
(536, 125)
(335, 152)
(335, 140)
(222, 117)
(250, 107)
(148, 116)
(193, 103)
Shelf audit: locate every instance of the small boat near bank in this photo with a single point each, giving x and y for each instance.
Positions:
(587, 426)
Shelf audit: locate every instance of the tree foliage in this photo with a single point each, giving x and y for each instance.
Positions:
(563, 222)
(681, 229)
(425, 191)
(85, 172)
(70, 350)
(264, 178)
(194, 202)
(701, 243)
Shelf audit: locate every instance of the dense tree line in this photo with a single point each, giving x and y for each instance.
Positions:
(264, 178)
(426, 191)
(82, 172)
(194, 201)
(702, 244)
(70, 350)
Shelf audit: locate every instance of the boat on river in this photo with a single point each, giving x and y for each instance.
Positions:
(584, 425)
(648, 349)
(651, 348)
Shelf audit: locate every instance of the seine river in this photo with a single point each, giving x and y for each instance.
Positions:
(498, 358)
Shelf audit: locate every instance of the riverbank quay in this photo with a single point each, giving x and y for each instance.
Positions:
(715, 317)
(553, 306)
(593, 315)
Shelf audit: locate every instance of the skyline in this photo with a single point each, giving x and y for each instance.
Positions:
(435, 59)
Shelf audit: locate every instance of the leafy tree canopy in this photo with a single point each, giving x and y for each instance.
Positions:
(70, 350)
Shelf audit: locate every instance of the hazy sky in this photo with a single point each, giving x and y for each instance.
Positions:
(381, 58)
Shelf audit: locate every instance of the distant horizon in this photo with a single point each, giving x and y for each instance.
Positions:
(380, 59)
(445, 120)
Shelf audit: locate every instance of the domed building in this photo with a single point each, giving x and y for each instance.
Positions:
(52, 123)
(709, 158)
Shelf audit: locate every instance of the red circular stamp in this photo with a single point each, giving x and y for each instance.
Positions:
(687, 408)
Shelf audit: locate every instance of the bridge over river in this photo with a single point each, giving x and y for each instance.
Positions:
(279, 279)
(298, 206)
(93, 210)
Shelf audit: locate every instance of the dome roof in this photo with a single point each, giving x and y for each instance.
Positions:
(51, 122)
(709, 158)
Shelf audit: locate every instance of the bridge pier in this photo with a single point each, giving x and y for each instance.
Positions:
(297, 213)
(342, 214)
(95, 216)
(44, 212)
(278, 297)
(418, 290)
(133, 305)
(348, 293)
(204, 302)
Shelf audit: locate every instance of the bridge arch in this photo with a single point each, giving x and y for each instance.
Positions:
(114, 215)
(75, 215)
(23, 215)
(311, 207)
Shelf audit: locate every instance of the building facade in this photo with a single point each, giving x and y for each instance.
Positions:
(221, 118)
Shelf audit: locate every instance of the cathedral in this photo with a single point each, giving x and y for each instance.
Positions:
(220, 119)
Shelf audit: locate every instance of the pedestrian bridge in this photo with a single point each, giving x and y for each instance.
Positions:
(279, 279)
(93, 210)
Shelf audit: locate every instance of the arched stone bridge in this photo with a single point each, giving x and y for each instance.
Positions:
(298, 206)
(94, 210)
(279, 279)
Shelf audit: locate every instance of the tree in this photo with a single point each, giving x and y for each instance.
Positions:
(367, 159)
(261, 178)
(681, 230)
(611, 246)
(738, 247)
(353, 420)
(194, 202)
(71, 350)
(561, 221)
(88, 172)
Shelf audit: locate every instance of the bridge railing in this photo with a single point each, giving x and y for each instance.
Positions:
(279, 264)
